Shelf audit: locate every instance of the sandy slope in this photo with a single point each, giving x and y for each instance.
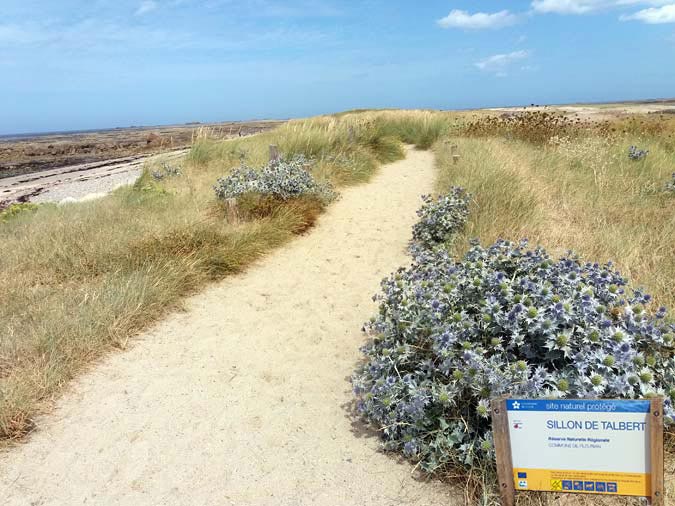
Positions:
(243, 399)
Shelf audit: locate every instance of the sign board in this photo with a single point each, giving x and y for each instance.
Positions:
(589, 446)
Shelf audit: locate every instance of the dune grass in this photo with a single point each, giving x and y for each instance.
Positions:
(586, 195)
(81, 279)
(583, 194)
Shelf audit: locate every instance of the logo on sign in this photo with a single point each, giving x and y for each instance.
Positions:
(516, 405)
(522, 483)
(517, 424)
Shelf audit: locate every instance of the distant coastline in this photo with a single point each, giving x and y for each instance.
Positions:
(26, 153)
(133, 128)
(37, 135)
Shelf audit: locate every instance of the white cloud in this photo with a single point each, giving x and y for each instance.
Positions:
(643, 2)
(654, 15)
(499, 63)
(587, 6)
(477, 21)
(146, 6)
(569, 6)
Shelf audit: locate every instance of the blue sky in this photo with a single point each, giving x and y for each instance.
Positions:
(72, 64)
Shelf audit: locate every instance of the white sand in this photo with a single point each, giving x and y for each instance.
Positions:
(244, 399)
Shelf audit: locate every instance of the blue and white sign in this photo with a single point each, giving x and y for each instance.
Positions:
(583, 446)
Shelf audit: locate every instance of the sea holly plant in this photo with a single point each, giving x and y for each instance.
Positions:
(441, 219)
(284, 179)
(637, 154)
(165, 171)
(505, 320)
(670, 185)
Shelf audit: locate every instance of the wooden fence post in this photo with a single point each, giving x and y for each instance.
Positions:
(500, 431)
(274, 153)
(656, 450)
(232, 211)
(352, 134)
(455, 154)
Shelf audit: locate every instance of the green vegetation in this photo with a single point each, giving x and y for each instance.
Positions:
(14, 210)
(579, 191)
(585, 195)
(80, 279)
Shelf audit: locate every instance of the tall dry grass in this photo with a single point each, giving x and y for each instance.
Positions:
(81, 279)
(580, 193)
(585, 195)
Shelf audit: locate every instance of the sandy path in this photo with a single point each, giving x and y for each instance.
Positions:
(243, 398)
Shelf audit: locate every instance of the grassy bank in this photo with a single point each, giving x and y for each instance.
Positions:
(79, 280)
(585, 195)
(581, 192)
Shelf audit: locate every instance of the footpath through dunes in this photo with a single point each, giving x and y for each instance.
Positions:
(244, 398)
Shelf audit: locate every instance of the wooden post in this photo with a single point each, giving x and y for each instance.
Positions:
(352, 134)
(274, 153)
(500, 431)
(232, 211)
(656, 451)
(455, 154)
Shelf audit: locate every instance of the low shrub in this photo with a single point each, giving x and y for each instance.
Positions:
(14, 210)
(531, 126)
(451, 335)
(283, 179)
(637, 154)
(670, 185)
(440, 219)
(166, 171)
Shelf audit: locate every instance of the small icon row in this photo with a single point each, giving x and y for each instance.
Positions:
(590, 486)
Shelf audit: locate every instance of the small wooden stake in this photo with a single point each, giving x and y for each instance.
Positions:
(352, 134)
(455, 154)
(232, 211)
(656, 451)
(500, 431)
(274, 153)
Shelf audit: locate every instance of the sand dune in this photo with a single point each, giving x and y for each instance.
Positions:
(243, 399)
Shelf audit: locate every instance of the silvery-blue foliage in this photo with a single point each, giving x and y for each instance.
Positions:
(440, 219)
(506, 319)
(285, 179)
(637, 154)
(670, 185)
(167, 170)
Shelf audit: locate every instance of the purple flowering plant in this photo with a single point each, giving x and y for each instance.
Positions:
(636, 154)
(441, 219)
(506, 319)
(166, 170)
(670, 185)
(285, 179)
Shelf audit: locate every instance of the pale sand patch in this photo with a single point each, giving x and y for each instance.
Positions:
(244, 398)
